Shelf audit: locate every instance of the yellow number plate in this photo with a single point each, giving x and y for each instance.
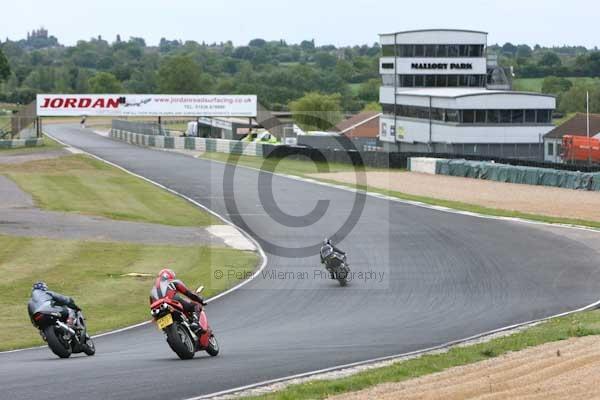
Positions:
(165, 321)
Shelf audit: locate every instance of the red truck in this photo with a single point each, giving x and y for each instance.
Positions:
(580, 148)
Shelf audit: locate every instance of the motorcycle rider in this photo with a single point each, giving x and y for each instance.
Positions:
(167, 286)
(40, 295)
(325, 254)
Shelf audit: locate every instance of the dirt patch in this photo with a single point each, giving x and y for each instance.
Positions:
(541, 200)
(560, 370)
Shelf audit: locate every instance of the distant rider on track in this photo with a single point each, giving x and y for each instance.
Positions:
(327, 250)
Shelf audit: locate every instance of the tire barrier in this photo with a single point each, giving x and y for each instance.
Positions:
(190, 143)
(507, 173)
(19, 143)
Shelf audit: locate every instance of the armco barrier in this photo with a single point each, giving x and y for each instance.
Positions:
(510, 173)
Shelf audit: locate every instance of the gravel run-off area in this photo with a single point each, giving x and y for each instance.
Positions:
(568, 369)
(539, 200)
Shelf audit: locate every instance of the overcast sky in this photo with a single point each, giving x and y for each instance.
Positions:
(339, 22)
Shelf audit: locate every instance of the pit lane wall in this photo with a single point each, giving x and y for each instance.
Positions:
(506, 173)
(189, 143)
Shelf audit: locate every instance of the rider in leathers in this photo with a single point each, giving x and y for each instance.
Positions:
(326, 243)
(167, 286)
(41, 295)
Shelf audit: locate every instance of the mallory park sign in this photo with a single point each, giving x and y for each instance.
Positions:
(442, 66)
(123, 105)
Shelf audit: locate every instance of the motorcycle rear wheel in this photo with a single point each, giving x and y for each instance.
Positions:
(180, 341)
(56, 345)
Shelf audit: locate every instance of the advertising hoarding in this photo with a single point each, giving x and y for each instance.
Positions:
(125, 105)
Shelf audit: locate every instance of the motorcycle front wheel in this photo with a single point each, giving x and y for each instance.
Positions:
(213, 346)
(89, 348)
(342, 277)
(56, 344)
(180, 341)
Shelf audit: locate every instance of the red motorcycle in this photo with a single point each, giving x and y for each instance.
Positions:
(171, 318)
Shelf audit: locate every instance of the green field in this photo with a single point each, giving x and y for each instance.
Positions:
(90, 271)
(535, 84)
(92, 274)
(84, 185)
(577, 325)
(286, 166)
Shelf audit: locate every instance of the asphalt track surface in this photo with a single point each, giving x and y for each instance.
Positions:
(445, 277)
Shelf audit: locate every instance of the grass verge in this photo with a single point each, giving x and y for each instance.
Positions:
(576, 325)
(78, 183)
(299, 167)
(93, 272)
(304, 169)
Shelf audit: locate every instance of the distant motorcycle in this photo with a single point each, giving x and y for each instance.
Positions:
(64, 336)
(335, 262)
(171, 318)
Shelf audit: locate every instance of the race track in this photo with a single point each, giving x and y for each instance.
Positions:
(434, 276)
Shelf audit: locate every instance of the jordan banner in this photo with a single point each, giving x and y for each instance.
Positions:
(131, 105)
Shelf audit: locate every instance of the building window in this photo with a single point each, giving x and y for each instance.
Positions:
(551, 149)
(452, 116)
(388, 80)
(544, 116)
(419, 50)
(406, 50)
(505, 116)
(441, 51)
(468, 116)
(493, 116)
(530, 117)
(480, 116)
(517, 117)
(387, 50)
(442, 80)
(430, 50)
(387, 66)
(453, 50)
(435, 50)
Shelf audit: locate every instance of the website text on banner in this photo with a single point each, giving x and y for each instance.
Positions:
(124, 105)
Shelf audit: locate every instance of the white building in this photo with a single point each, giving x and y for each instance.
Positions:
(440, 88)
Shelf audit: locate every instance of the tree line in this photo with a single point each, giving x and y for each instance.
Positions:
(278, 72)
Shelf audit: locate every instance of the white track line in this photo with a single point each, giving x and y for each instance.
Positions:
(258, 246)
(376, 195)
(414, 203)
(386, 358)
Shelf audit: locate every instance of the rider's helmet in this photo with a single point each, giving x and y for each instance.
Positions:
(40, 286)
(326, 242)
(167, 274)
